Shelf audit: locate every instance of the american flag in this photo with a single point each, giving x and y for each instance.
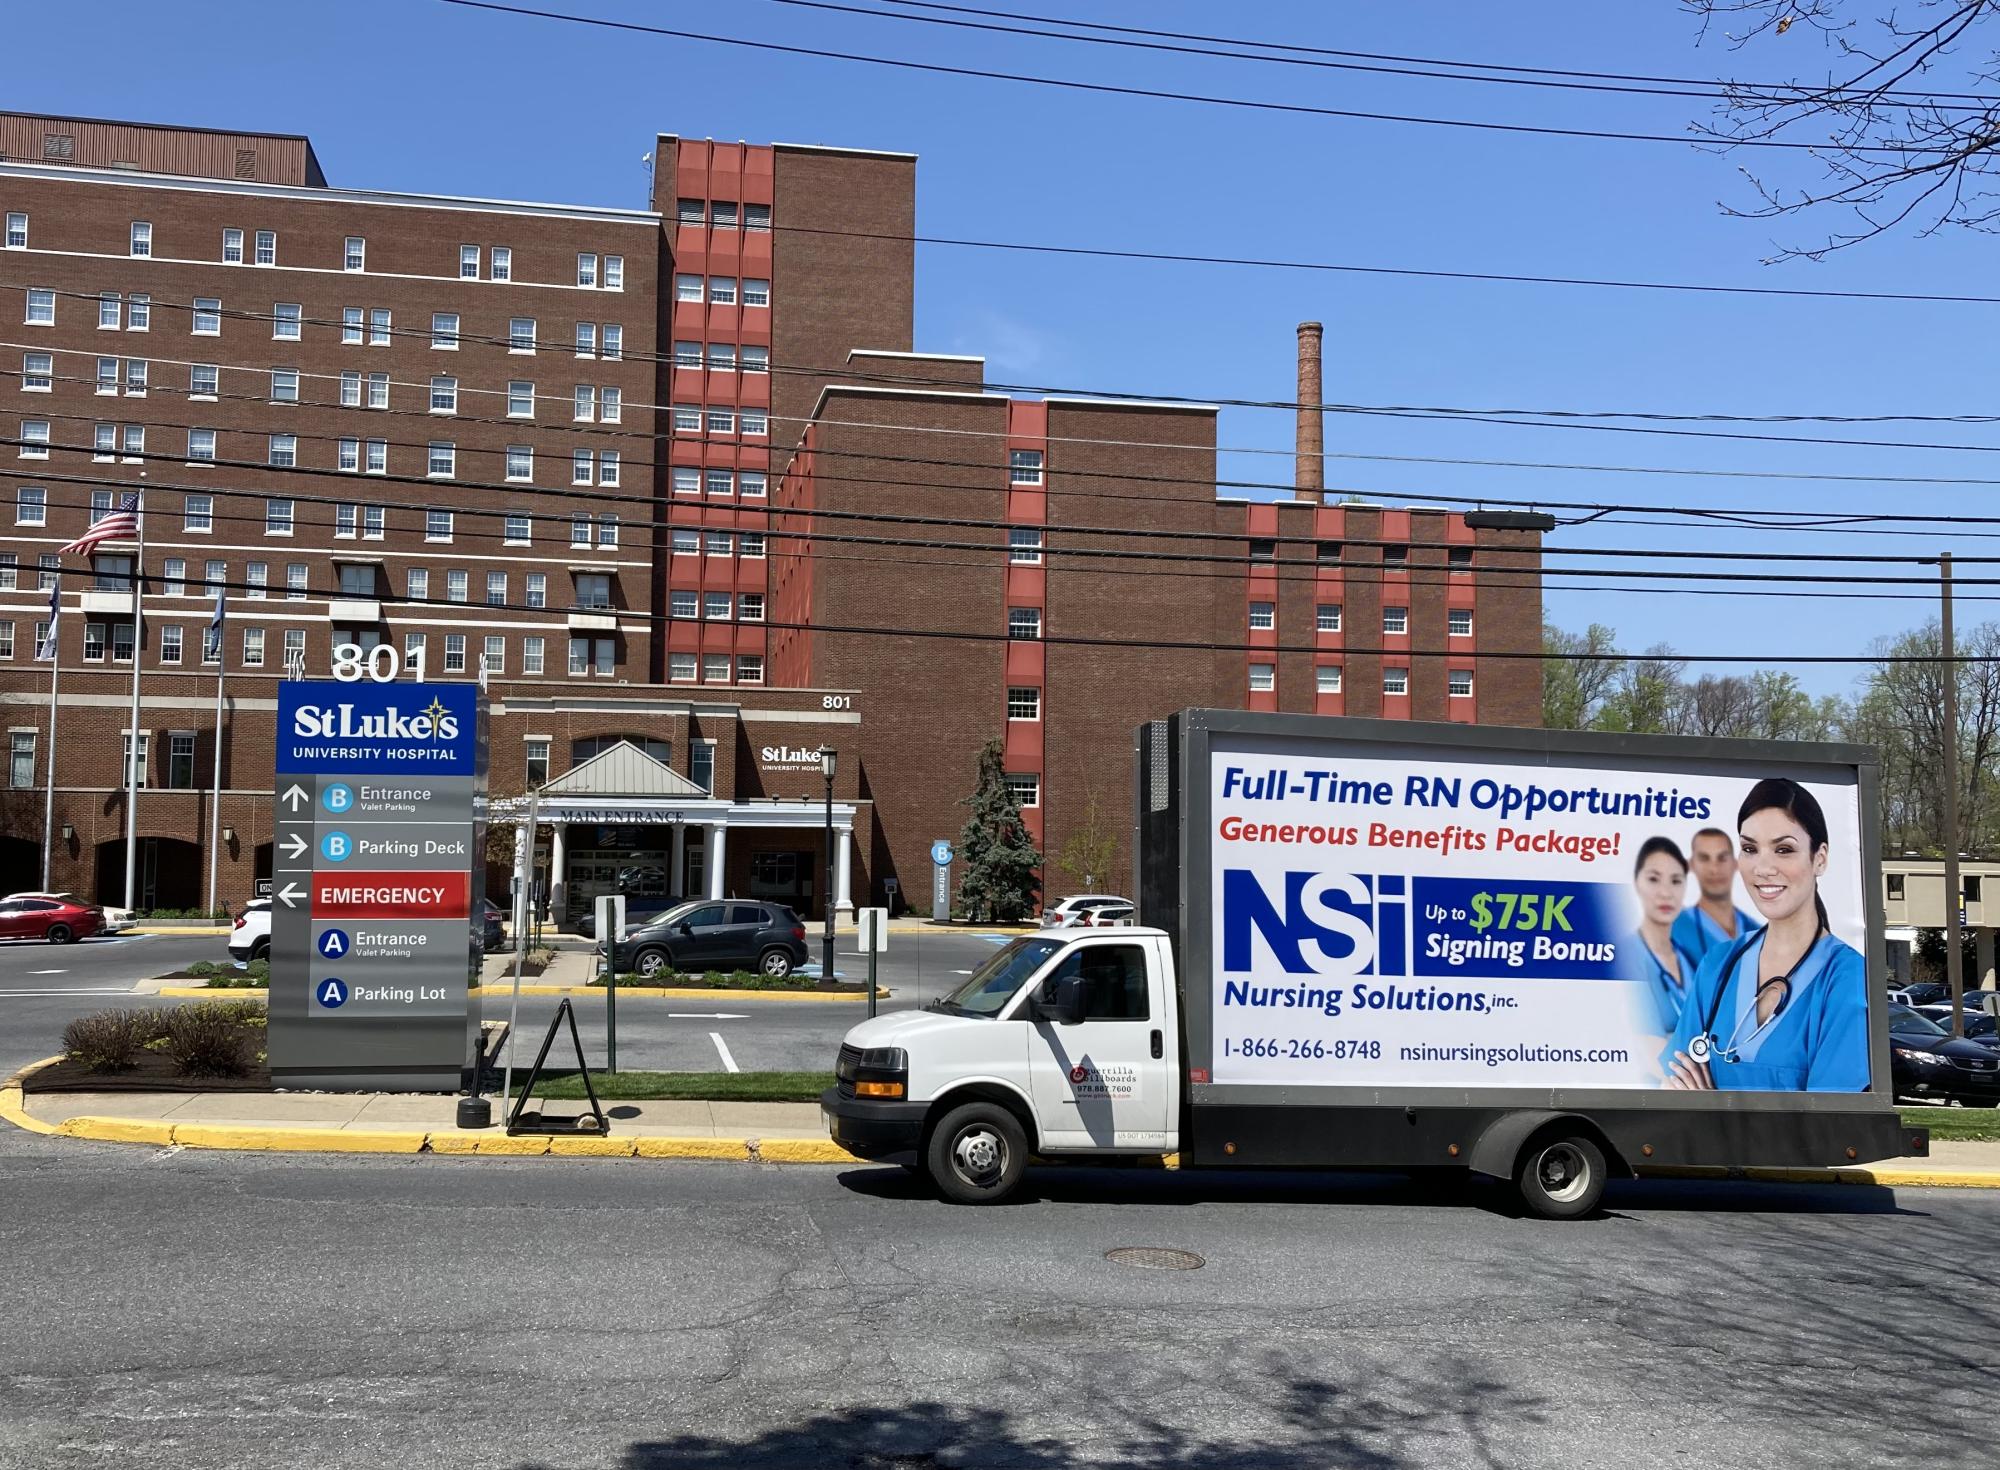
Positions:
(121, 524)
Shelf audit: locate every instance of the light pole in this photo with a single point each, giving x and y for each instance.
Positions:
(827, 757)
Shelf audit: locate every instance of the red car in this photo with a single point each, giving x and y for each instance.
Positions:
(57, 917)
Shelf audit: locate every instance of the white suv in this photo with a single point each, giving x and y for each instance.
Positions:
(1087, 910)
(251, 938)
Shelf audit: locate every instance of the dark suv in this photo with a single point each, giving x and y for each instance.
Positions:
(719, 934)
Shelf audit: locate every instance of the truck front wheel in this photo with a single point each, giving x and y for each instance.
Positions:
(1560, 1176)
(976, 1154)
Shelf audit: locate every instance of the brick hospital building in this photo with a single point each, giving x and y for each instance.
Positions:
(677, 480)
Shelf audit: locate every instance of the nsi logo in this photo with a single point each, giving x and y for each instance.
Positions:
(1321, 924)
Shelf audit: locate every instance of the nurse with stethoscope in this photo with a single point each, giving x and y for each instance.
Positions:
(1784, 1009)
(1659, 879)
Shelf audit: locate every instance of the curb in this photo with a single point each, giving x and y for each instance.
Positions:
(1891, 1177)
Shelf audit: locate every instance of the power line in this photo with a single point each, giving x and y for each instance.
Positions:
(1162, 94)
(1762, 93)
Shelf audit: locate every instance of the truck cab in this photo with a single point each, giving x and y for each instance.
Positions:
(1062, 1042)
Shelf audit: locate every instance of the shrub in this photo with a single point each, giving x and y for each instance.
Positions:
(207, 1039)
(259, 972)
(108, 1041)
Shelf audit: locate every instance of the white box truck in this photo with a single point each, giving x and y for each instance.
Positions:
(1548, 957)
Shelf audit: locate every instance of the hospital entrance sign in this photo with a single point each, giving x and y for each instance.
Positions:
(377, 874)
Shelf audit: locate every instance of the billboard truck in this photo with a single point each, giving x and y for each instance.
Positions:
(1547, 957)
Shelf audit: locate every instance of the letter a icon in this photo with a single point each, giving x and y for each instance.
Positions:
(333, 994)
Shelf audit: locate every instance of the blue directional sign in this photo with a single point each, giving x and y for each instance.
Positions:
(333, 944)
(331, 993)
(337, 798)
(336, 847)
(941, 852)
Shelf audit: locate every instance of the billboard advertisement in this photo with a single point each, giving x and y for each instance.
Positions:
(1442, 922)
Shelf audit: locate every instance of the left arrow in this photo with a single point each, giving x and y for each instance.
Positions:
(294, 794)
(291, 894)
(294, 845)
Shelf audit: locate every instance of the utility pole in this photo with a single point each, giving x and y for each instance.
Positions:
(1954, 960)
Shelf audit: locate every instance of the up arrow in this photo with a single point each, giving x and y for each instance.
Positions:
(294, 794)
(294, 845)
(291, 894)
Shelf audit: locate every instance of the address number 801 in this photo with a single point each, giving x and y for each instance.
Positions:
(382, 664)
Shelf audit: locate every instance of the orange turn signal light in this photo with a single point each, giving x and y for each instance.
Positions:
(878, 1089)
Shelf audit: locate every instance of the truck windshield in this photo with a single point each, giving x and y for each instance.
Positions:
(993, 984)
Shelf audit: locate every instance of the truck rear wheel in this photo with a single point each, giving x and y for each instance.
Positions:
(976, 1154)
(1560, 1175)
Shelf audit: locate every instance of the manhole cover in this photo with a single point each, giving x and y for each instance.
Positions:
(1155, 1258)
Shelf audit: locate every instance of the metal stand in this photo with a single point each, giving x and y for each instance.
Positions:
(593, 1121)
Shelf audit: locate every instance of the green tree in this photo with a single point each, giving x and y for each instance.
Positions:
(1578, 674)
(1644, 695)
(1000, 858)
(1088, 852)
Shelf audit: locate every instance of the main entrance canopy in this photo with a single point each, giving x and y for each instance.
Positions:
(623, 788)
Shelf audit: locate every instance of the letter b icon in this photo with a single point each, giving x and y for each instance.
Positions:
(336, 847)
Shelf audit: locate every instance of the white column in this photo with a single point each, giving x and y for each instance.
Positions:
(677, 883)
(843, 870)
(558, 884)
(717, 858)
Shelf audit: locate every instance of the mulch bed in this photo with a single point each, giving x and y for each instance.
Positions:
(151, 1072)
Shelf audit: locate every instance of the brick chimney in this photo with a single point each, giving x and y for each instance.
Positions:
(1309, 472)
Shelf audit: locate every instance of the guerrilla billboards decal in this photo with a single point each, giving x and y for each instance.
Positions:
(1446, 923)
(377, 870)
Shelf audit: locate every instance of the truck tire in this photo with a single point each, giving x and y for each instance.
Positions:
(1560, 1175)
(976, 1154)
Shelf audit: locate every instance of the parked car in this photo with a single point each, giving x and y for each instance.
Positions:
(59, 918)
(250, 939)
(730, 934)
(494, 935)
(1926, 1061)
(640, 908)
(1924, 993)
(1086, 910)
(1978, 1025)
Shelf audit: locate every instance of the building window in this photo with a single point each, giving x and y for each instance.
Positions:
(1263, 677)
(687, 542)
(1396, 556)
(414, 645)
(687, 480)
(253, 648)
(454, 653)
(21, 759)
(295, 643)
(715, 668)
(586, 270)
(1894, 880)
(284, 385)
(1459, 558)
(129, 766)
(1024, 544)
(1024, 704)
(350, 390)
(379, 329)
(374, 519)
(756, 293)
(437, 525)
(107, 375)
(586, 343)
(1263, 551)
(256, 578)
(503, 263)
(614, 342)
(377, 460)
(444, 395)
(443, 462)
(689, 212)
(520, 466)
(582, 464)
(1395, 620)
(37, 372)
(518, 528)
(716, 606)
(521, 334)
(285, 320)
(722, 290)
(611, 405)
(496, 589)
(139, 313)
(34, 439)
(1395, 681)
(537, 589)
(180, 754)
(1326, 679)
(716, 543)
(468, 262)
(457, 584)
(1026, 791)
(346, 518)
(17, 232)
(520, 400)
(1458, 622)
(357, 579)
(356, 256)
(722, 215)
(721, 482)
(593, 590)
(267, 247)
(607, 467)
(722, 356)
(1326, 618)
(687, 288)
(686, 354)
(41, 307)
(1024, 466)
(756, 359)
(378, 390)
(135, 378)
(755, 422)
(680, 668)
(1263, 615)
(537, 762)
(1024, 622)
(93, 643)
(1458, 683)
(295, 581)
(417, 584)
(347, 455)
(757, 217)
(232, 247)
(594, 656)
(198, 511)
(586, 404)
(532, 654)
(444, 331)
(750, 607)
(687, 418)
(493, 657)
(201, 446)
(350, 326)
(142, 239)
(203, 380)
(207, 318)
(614, 273)
(750, 483)
(684, 603)
(277, 518)
(753, 543)
(283, 451)
(607, 528)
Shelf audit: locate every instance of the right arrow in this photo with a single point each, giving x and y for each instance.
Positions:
(291, 894)
(295, 845)
(294, 794)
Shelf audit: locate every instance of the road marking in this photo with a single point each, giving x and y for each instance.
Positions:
(72, 990)
(48, 972)
(961, 972)
(728, 1062)
(708, 1016)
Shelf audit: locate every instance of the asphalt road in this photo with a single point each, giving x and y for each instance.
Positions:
(188, 1310)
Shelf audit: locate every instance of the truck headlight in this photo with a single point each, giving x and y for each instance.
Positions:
(882, 1072)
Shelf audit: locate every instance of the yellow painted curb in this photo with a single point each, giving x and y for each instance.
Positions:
(256, 1138)
(214, 992)
(575, 1146)
(733, 1149)
(13, 1108)
(118, 1130)
(527, 1146)
(804, 1151)
(1893, 1177)
(657, 992)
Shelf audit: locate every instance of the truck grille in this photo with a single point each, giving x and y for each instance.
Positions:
(845, 1068)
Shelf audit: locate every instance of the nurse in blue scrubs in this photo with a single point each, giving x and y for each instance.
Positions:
(1659, 879)
(1715, 919)
(1784, 1009)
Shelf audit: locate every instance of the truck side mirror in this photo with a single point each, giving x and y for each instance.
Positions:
(1061, 1001)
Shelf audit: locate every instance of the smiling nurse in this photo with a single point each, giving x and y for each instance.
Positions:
(1784, 1009)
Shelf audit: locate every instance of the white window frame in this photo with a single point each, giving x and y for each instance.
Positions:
(41, 306)
(1452, 679)
(280, 516)
(1024, 545)
(1396, 682)
(354, 257)
(1024, 624)
(139, 312)
(265, 248)
(442, 452)
(468, 255)
(1326, 618)
(1024, 702)
(1263, 615)
(209, 309)
(287, 314)
(1025, 789)
(1024, 466)
(444, 338)
(1263, 678)
(1395, 622)
(1326, 679)
(503, 263)
(232, 247)
(142, 240)
(1453, 628)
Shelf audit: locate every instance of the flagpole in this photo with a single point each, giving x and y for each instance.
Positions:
(215, 801)
(132, 749)
(55, 684)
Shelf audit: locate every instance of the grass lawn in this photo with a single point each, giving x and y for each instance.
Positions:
(1976, 1124)
(686, 1086)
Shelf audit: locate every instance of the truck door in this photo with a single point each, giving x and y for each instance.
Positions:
(1103, 1082)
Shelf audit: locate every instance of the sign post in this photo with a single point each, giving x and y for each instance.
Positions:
(378, 872)
(874, 926)
(941, 881)
(611, 929)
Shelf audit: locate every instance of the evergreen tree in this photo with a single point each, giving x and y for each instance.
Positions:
(1000, 857)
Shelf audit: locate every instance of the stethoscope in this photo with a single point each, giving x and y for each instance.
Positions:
(1702, 1046)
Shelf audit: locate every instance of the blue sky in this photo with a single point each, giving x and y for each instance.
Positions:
(408, 94)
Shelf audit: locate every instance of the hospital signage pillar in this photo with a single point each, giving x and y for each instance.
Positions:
(378, 885)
